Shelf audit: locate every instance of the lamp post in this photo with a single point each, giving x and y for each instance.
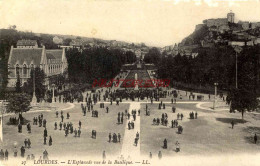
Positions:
(34, 99)
(53, 100)
(215, 97)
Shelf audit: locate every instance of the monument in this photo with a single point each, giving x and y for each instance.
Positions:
(136, 85)
(34, 99)
(139, 65)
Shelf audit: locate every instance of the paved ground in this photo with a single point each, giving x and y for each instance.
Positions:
(129, 149)
(208, 135)
(70, 146)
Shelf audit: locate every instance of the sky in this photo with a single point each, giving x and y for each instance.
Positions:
(153, 22)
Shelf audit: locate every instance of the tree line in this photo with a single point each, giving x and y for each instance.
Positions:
(96, 63)
(214, 65)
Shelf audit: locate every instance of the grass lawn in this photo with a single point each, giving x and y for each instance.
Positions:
(69, 146)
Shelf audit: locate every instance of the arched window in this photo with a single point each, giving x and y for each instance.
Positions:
(17, 70)
(31, 68)
(24, 70)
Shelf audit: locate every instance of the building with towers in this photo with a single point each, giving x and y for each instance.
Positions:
(231, 17)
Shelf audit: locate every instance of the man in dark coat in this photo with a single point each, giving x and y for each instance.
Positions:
(6, 154)
(22, 151)
(109, 137)
(255, 138)
(165, 144)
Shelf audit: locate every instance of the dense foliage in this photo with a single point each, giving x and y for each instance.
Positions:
(215, 65)
(153, 56)
(18, 103)
(96, 63)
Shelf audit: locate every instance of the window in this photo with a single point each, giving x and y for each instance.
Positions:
(25, 70)
(17, 70)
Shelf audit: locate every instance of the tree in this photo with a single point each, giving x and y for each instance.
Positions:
(39, 83)
(67, 41)
(12, 27)
(4, 53)
(18, 84)
(244, 98)
(18, 103)
(96, 63)
(130, 57)
(153, 56)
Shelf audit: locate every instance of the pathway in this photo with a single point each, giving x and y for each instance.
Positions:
(129, 148)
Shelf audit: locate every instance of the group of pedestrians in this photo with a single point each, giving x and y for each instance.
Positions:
(4, 155)
(115, 138)
(27, 143)
(193, 116)
(120, 118)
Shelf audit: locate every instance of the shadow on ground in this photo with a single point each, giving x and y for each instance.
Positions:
(25, 121)
(256, 116)
(229, 120)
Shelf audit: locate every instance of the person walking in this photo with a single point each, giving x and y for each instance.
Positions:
(151, 155)
(6, 154)
(44, 140)
(50, 141)
(79, 132)
(29, 143)
(22, 151)
(119, 137)
(109, 137)
(160, 155)
(15, 151)
(104, 155)
(255, 138)
(232, 124)
(177, 146)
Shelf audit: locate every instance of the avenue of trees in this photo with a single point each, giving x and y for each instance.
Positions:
(96, 63)
(214, 65)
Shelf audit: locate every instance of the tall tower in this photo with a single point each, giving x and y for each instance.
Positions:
(231, 17)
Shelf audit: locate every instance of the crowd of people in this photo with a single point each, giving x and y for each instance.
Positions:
(91, 99)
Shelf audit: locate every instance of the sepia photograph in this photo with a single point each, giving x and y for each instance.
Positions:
(129, 82)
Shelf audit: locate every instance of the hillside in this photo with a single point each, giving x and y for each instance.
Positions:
(196, 36)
